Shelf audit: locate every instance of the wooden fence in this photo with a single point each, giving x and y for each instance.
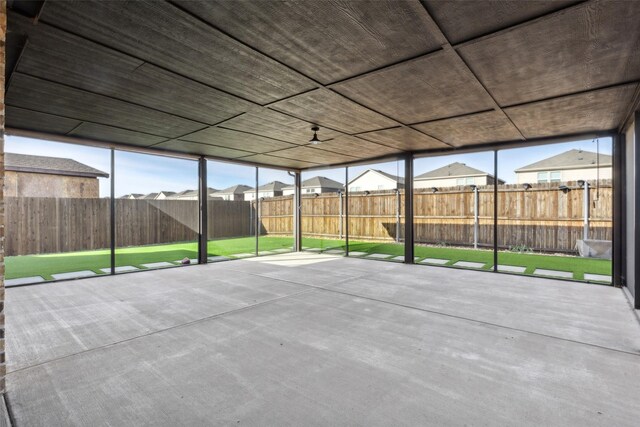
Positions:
(48, 225)
(541, 218)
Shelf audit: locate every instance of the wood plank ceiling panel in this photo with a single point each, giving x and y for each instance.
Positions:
(433, 87)
(594, 45)
(54, 55)
(236, 140)
(161, 34)
(463, 20)
(491, 126)
(274, 124)
(201, 149)
(356, 147)
(404, 138)
(112, 134)
(20, 118)
(279, 161)
(334, 111)
(326, 40)
(312, 154)
(40, 95)
(592, 111)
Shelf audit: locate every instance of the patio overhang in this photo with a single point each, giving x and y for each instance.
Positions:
(245, 81)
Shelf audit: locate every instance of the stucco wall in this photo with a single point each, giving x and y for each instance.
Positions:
(23, 184)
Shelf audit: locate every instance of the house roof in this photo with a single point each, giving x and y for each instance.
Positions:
(452, 170)
(50, 165)
(395, 178)
(149, 196)
(185, 193)
(270, 186)
(318, 181)
(235, 189)
(572, 159)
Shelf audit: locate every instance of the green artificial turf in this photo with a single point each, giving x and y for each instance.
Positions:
(46, 265)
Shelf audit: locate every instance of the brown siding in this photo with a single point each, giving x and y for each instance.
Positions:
(27, 184)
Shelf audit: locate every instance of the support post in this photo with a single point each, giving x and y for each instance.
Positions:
(346, 211)
(408, 210)
(495, 210)
(203, 214)
(297, 213)
(634, 223)
(619, 207)
(257, 214)
(112, 214)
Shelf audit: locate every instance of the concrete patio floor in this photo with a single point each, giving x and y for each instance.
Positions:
(310, 339)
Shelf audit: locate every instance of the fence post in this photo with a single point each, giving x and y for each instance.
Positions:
(475, 216)
(397, 191)
(585, 197)
(339, 215)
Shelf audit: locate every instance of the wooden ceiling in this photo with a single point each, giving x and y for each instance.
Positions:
(246, 80)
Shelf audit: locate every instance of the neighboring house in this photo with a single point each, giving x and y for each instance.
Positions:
(272, 189)
(235, 192)
(132, 196)
(165, 195)
(190, 194)
(572, 165)
(452, 175)
(375, 180)
(315, 185)
(40, 176)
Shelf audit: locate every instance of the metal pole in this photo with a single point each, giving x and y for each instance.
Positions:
(475, 217)
(585, 209)
(495, 210)
(112, 214)
(257, 215)
(619, 207)
(346, 211)
(297, 213)
(203, 197)
(408, 210)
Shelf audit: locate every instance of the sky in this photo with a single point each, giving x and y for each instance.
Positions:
(144, 173)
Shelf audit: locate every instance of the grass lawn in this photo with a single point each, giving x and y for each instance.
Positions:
(46, 265)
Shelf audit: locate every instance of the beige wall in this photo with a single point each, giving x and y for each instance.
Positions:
(24, 184)
(588, 174)
(448, 182)
(265, 194)
(372, 181)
